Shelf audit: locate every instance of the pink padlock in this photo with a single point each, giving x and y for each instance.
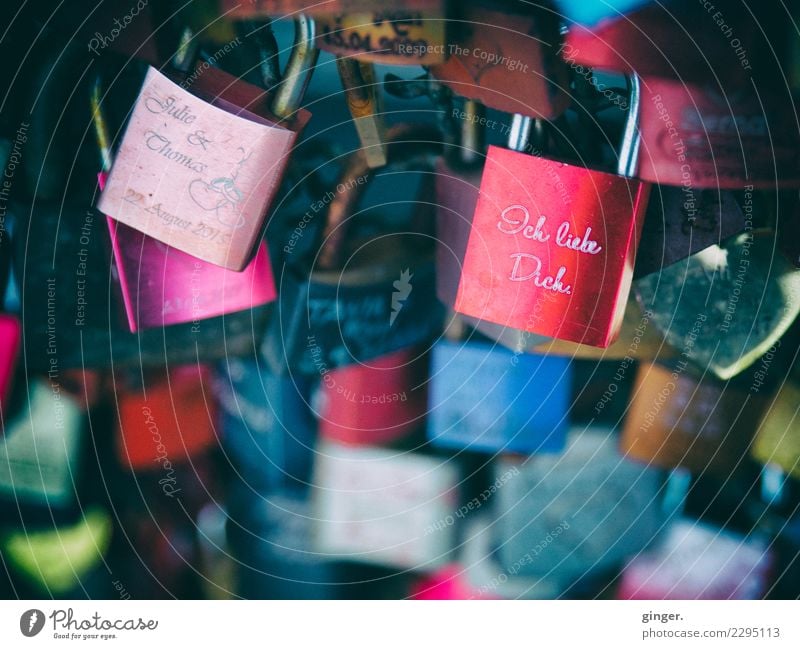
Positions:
(198, 170)
(162, 286)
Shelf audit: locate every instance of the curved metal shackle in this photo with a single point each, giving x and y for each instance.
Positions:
(631, 138)
(299, 69)
(100, 125)
(411, 145)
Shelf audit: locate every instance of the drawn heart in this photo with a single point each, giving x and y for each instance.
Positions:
(726, 306)
(207, 196)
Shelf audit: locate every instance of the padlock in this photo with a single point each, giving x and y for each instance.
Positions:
(10, 336)
(697, 136)
(727, 305)
(163, 286)
(267, 429)
(589, 12)
(223, 160)
(681, 222)
(58, 560)
(504, 55)
(485, 398)
(777, 443)
(397, 36)
(566, 516)
(167, 420)
(374, 403)
(196, 290)
(701, 424)
(683, 41)
(695, 560)
(380, 301)
(552, 245)
(39, 454)
(379, 506)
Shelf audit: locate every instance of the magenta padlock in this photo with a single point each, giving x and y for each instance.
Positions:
(10, 336)
(552, 246)
(697, 136)
(199, 171)
(162, 286)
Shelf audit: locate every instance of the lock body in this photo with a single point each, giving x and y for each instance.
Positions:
(379, 506)
(162, 286)
(582, 512)
(552, 248)
(397, 36)
(675, 420)
(696, 561)
(506, 60)
(695, 136)
(199, 175)
(726, 306)
(10, 336)
(777, 441)
(726, 47)
(40, 449)
(61, 560)
(169, 422)
(485, 398)
(376, 402)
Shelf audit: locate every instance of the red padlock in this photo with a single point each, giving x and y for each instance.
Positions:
(699, 137)
(377, 402)
(552, 245)
(684, 41)
(166, 421)
(506, 58)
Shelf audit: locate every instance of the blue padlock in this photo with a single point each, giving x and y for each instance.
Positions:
(486, 398)
(591, 12)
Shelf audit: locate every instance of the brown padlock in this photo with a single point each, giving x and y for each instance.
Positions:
(505, 56)
(701, 424)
